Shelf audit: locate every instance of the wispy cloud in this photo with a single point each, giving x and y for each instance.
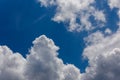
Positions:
(39, 19)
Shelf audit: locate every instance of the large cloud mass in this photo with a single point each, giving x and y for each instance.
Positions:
(43, 64)
(103, 53)
(104, 67)
(99, 44)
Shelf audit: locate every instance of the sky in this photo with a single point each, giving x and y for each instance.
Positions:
(59, 39)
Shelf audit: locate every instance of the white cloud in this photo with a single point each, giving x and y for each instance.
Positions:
(104, 67)
(103, 54)
(103, 62)
(11, 65)
(108, 31)
(76, 13)
(43, 64)
(114, 3)
(101, 44)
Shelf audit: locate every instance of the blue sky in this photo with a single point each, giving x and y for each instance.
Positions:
(79, 31)
(22, 25)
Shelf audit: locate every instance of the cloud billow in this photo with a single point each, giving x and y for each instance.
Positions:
(43, 64)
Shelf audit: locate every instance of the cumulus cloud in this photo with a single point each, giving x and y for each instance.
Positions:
(104, 67)
(76, 13)
(98, 43)
(11, 65)
(42, 62)
(103, 54)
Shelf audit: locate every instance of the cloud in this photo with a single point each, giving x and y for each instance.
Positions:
(103, 54)
(11, 65)
(104, 67)
(98, 43)
(42, 62)
(76, 13)
(114, 3)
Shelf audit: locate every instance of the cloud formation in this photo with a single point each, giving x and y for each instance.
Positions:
(98, 43)
(104, 67)
(42, 62)
(11, 65)
(76, 13)
(103, 54)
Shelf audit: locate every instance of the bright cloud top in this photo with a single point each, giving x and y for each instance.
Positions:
(43, 64)
(76, 13)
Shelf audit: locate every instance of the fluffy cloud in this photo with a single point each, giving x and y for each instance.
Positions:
(98, 43)
(103, 54)
(11, 65)
(76, 13)
(104, 67)
(42, 62)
